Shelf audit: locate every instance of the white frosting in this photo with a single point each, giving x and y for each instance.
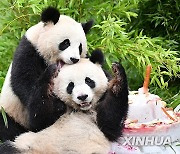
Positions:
(146, 107)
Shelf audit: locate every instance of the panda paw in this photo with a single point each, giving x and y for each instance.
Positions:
(53, 70)
(51, 73)
(116, 83)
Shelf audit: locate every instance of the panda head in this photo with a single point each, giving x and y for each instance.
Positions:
(82, 85)
(59, 37)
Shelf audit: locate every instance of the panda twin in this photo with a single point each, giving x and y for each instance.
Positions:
(76, 110)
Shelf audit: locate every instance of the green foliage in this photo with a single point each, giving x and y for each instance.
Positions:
(137, 52)
(4, 117)
(175, 100)
(118, 31)
(159, 18)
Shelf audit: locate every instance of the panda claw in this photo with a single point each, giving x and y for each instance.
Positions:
(116, 82)
(56, 73)
(50, 87)
(49, 91)
(115, 69)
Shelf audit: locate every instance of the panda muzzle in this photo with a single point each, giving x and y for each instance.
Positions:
(85, 104)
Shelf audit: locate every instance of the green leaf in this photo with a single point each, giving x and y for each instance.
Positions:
(135, 15)
(4, 116)
(108, 62)
(128, 16)
(158, 82)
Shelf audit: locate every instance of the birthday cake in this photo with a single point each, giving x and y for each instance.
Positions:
(150, 125)
(148, 113)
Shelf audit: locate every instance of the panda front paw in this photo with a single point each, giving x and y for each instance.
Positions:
(46, 80)
(116, 84)
(52, 72)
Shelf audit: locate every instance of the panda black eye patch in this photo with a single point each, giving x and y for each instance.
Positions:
(90, 82)
(70, 87)
(65, 44)
(80, 48)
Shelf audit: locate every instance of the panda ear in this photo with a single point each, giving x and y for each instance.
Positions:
(97, 57)
(87, 26)
(50, 14)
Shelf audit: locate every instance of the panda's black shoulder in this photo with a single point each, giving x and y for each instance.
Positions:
(26, 55)
(27, 66)
(27, 50)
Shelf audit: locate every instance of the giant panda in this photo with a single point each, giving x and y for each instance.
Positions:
(27, 96)
(94, 105)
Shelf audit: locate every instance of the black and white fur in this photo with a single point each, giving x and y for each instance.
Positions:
(26, 94)
(95, 106)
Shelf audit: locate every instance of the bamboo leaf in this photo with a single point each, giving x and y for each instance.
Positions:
(4, 116)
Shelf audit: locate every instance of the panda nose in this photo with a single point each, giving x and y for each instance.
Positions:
(74, 60)
(82, 97)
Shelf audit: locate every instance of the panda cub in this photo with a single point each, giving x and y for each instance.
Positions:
(86, 91)
(27, 96)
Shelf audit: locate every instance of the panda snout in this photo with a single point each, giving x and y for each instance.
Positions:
(82, 97)
(74, 60)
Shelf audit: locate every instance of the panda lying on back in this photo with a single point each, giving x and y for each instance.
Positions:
(94, 105)
(26, 95)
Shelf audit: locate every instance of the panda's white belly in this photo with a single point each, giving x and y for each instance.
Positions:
(71, 134)
(11, 103)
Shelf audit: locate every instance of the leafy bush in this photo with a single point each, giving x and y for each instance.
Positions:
(136, 52)
(114, 32)
(159, 18)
